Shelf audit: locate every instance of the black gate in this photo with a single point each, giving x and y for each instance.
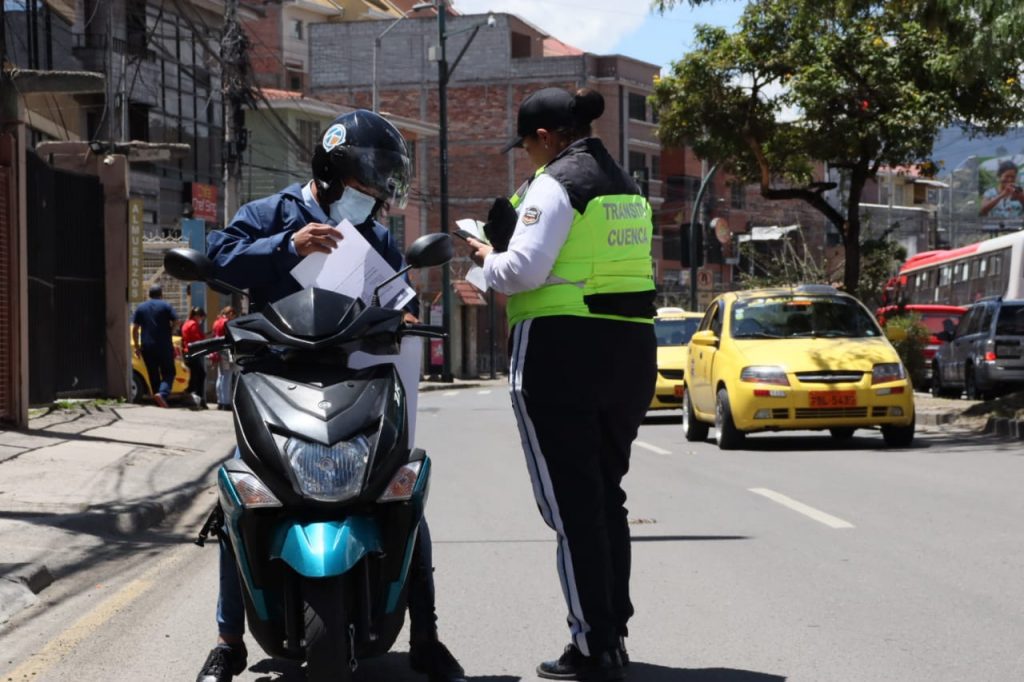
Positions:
(67, 297)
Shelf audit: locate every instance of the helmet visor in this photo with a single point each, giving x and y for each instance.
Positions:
(385, 174)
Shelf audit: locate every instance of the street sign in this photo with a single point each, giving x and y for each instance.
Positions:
(705, 278)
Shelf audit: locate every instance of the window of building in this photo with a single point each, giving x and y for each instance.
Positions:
(521, 45)
(637, 107)
(738, 195)
(655, 167)
(308, 132)
(396, 226)
(138, 121)
(296, 29)
(637, 162)
(296, 80)
(135, 26)
(682, 188)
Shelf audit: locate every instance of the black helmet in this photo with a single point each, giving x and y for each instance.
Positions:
(365, 147)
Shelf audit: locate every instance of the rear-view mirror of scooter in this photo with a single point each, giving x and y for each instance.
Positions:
(428, 251)
(190, 265)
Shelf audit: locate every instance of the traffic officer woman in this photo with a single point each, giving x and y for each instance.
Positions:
(578, 273)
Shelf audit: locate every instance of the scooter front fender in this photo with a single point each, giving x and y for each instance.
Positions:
(324, 549)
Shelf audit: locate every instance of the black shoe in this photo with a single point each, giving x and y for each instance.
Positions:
(605, 666)
(223, 663)
(432, 658)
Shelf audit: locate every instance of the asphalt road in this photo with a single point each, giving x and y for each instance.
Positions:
(794, 559)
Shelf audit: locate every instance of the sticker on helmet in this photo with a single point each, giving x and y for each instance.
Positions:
(531, 215)
(334, 136)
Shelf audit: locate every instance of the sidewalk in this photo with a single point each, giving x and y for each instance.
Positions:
(78, 484)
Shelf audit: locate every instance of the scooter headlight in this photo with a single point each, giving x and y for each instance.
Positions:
(329, 473)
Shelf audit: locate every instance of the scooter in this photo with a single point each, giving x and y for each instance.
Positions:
(322, 506)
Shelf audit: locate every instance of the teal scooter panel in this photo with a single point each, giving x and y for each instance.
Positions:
(326, 548)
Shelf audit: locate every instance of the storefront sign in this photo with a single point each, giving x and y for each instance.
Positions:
(204, 202)
(136, 259)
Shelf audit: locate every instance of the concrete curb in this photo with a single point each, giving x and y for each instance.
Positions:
(134, 518)
(936, 418)
(19, 585)
(1005, 427)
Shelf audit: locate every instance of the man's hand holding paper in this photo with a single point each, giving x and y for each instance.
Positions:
(354, 269)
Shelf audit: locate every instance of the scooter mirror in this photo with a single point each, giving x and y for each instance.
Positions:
(429, 251)
(188, 265)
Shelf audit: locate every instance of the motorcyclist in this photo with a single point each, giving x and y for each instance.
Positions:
(360, 166)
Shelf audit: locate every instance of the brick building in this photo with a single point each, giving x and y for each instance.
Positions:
(504, 63)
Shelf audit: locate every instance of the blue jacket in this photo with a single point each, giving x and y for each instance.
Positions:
(254, 251)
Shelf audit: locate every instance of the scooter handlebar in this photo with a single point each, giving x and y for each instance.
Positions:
(198, 349)
(428, 331)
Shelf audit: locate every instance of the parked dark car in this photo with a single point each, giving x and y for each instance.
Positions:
(984, 355)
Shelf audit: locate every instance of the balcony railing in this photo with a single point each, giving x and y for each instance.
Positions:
(98, 41)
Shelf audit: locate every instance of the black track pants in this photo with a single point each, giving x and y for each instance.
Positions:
(580, 388)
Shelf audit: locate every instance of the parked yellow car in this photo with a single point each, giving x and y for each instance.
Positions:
(803, 358)
(673, 327)
(140, 388)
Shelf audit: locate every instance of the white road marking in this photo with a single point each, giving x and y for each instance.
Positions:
(487, 392)
(800, 507)
(449, 394)
(653, 448)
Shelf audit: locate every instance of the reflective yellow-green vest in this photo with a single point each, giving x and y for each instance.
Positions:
(608, 251)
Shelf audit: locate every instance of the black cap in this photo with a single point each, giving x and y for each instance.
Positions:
(550, 108)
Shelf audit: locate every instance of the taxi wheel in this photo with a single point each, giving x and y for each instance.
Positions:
(693, 430)
(137, 388)
(842, 433)
(899, 436)
(729, 437)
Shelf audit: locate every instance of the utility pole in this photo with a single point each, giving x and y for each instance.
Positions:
(699, 209)
(235, 87)
(446, 273)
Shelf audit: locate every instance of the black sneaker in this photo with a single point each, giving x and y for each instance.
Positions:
(223, 663)
(432, 658)
(605, 666)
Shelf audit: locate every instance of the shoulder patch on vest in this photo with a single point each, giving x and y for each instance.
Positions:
(531, 215)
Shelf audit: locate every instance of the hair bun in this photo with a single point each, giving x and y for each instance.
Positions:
(588, 105)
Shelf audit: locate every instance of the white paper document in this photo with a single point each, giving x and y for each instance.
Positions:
(476, 277)
(355, 269)
(474, 227)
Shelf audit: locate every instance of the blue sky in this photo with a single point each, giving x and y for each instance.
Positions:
(626, 27)
(663, 39)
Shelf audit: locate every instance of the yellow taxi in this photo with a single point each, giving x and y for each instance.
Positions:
(673, 327)
(140, 388)
(808, 357)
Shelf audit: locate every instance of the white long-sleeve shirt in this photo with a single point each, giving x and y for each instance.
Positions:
(545, 218)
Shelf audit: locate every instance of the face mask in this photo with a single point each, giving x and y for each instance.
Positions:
(354, 206)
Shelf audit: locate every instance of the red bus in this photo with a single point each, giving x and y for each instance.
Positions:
(961, 276)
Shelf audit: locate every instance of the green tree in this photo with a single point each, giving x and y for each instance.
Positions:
(856, 84)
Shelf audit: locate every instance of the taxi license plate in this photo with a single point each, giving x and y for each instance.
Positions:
(833, 398)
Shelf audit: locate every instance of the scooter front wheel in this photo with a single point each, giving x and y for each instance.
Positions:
(328, 634)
